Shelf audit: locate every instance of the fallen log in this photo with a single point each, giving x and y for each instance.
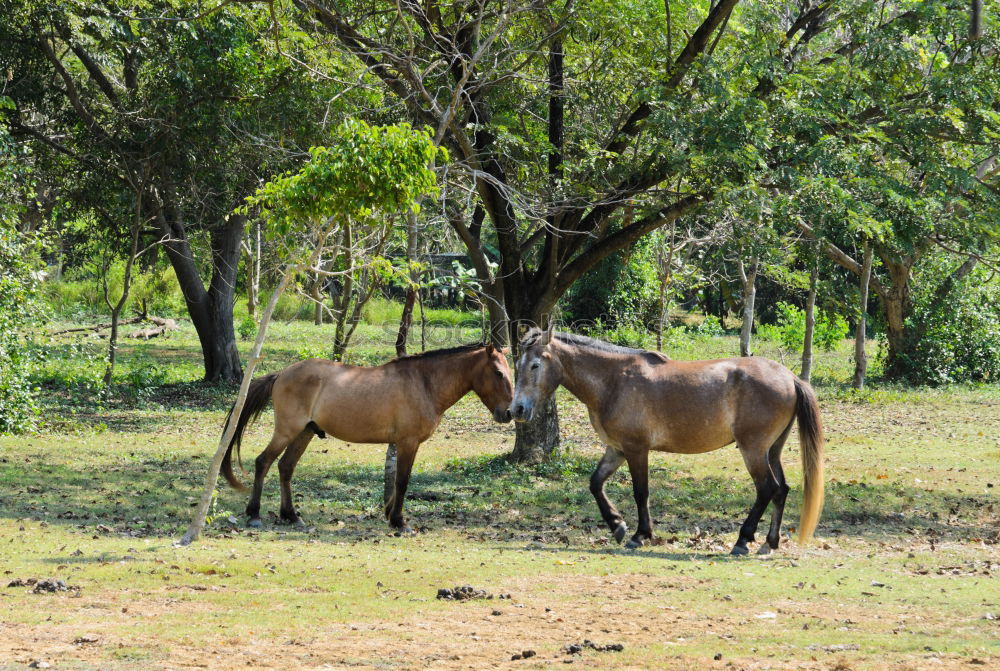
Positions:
(164, 325)
(101, 327)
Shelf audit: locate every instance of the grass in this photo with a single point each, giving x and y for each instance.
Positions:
(903, 575)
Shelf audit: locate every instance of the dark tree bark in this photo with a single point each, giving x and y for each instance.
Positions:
(211, 310)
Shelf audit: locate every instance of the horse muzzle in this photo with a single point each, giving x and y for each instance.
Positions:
(502, 415)
(521, 412)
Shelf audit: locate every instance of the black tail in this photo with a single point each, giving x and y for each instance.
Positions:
(258, 396)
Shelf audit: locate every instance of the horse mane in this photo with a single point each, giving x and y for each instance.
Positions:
(430, 354)
(532, 336)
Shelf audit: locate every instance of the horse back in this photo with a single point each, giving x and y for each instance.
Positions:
(697, 406)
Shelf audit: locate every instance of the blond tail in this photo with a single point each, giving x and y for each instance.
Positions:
(811, 440)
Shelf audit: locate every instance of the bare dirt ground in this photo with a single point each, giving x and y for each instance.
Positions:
(475, 634)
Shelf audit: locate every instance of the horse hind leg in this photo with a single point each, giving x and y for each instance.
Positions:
(606, 467)
(756, 460)
(778, 501)
(279, 441)
(286, 467)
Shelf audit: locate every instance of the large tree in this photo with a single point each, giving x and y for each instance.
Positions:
(563, 117)
(182, 117)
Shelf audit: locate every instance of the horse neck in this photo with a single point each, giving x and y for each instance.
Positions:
(585, 370)
(448, 378)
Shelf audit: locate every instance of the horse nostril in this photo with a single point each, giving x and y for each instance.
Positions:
(507, 414)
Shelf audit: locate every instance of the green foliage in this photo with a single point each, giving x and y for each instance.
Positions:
(960, 337)
(625, 335)
(709, 327)
(790, 331)
(620, 291)
(78, 294)
(247, 327)
(19, 264)
(366, 170)
(18, 409)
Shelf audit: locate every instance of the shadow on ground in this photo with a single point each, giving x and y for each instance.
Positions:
(489, 500)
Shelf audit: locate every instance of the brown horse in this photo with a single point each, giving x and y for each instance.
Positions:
(399, 402)
(641, 401)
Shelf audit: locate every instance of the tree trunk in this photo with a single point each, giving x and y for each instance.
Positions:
(316, 294)
(807, 341)
(666, 265)
(224, 363)
(538, 439)
(253, 271)
(897, 306)
(860, 358)
(405, 320)
(211, 311)
(112, 347)
(389, 479)
(749, 278)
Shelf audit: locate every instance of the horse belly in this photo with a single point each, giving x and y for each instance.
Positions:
(357, 418)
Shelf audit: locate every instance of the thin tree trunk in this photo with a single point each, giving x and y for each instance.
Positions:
(411, 290)
(253, 271)
(345, 296)
(749, 279)
(423, 321)
(807, 341)
(665, 281)
(116, 308)
(860, 358)
(316, 294)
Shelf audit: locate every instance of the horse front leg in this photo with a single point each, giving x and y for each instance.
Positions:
(406, 452)
(638, 466)
(606, 467)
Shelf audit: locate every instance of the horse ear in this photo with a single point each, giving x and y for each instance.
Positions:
(505, 351)
(490, 348)
(547, 338)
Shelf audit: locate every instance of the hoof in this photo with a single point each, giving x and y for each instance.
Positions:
(764, 549)
(405, 530)
(740, 550)
(620, 531)
(633, 543)
(254, 523)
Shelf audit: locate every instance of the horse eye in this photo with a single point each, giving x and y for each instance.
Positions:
(499, 373)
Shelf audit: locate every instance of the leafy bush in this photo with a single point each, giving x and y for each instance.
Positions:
(19, 263)
(624, 335)
(709, 327)
(960, 338)
(790, 331)
(247, 327)
(621, 290)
